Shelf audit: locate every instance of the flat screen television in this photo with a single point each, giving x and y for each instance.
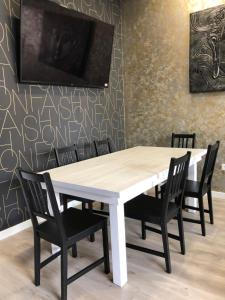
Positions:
(60, 46)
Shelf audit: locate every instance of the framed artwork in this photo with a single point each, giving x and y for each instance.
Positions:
(207, 50)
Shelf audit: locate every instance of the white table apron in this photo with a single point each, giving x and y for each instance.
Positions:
(116, 199)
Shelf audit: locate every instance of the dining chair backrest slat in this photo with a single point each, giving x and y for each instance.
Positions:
(183, 140)
(66, 155)
(209, 165)
(175, 185)
(85, 151)
(103, 147)
(40, 198)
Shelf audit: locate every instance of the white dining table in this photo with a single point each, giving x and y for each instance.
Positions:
(115, 179)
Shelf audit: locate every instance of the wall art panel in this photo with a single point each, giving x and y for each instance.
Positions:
(207, 50)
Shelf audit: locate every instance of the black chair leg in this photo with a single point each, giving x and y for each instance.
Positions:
(83, 206)
(202, 215)
(74, 250)
(166, 247)
(64, 266)
(37, 259)
(181, 232)
(90, 208)
(210, 207)
(92, 238)
(157, 192)
(65, 204)
(102, 205)
(105, 247)
(183, 203)
(143, 230)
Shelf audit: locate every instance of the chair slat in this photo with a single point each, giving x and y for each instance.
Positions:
(174, 186)
(37, 198)
(103, 147)
(183, 140)
(85, 151)
(66, 155)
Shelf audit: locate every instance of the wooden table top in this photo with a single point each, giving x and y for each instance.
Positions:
(119, 171)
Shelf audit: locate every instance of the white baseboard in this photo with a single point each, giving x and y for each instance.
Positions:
(218, 195)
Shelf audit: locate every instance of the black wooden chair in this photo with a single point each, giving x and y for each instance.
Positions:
(183, 140)
(64, 156)
(197, 189)
(62, 229)
(160, 211)
(103, 147)
(85, 151)
(179, 140)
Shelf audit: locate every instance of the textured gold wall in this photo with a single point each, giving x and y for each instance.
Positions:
(156, 73)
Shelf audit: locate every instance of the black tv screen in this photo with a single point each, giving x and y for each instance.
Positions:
(60, 46)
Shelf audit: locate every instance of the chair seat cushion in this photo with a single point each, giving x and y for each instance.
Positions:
(149, 209)
(192, 188)
(77, 224)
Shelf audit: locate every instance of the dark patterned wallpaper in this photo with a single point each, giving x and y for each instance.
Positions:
(35, 119)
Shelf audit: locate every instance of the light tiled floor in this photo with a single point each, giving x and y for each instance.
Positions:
(198, 275)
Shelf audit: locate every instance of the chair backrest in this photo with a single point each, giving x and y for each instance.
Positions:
(183, 140)
(40, 198)
(103, 147)
(175, 185)
(66, 155)
(209, 164)
(85, 151)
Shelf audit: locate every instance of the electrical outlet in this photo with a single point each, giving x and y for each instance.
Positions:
(223, 167)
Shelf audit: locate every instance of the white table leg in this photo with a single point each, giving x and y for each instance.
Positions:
(118, 244)
(192, 175)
